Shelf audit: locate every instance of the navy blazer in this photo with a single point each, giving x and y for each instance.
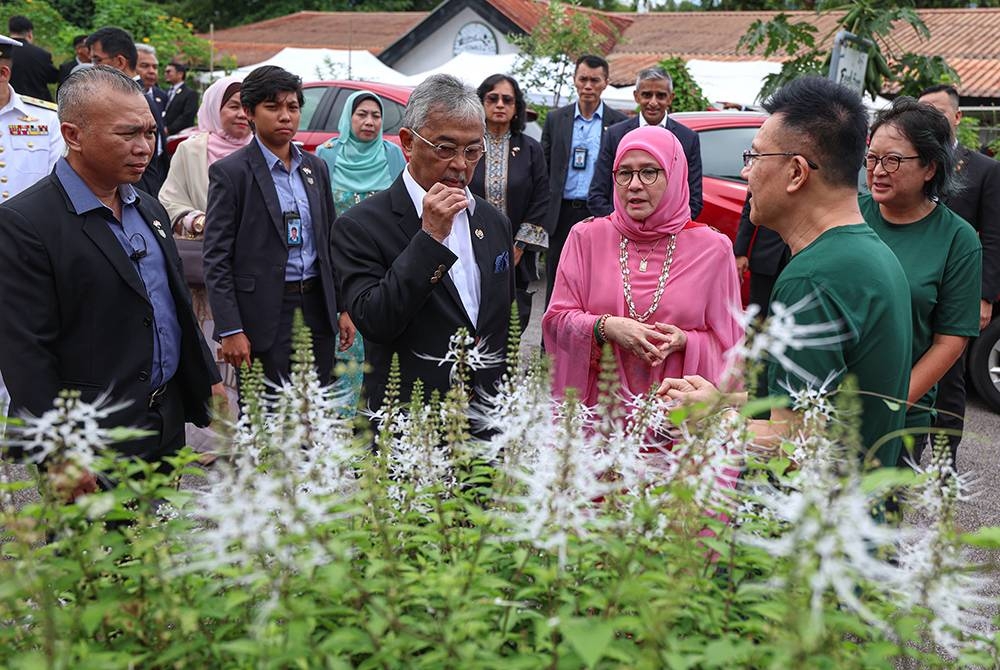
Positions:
(396, 287)
(83, 316)
(599, 199)
(246, 247)
(765, 250)
(978, 202)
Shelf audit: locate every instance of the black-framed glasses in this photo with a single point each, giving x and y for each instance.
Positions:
(494, 98)
(446, 151)
(890, 162)
(750, 156)
(647, 176)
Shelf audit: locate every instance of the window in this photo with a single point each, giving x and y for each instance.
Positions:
(722, 151)
(311, 99)
(392, 113)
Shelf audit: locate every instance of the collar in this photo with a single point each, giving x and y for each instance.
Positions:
(643, 124)
(598, 114)
(80, 195)
(417, 193)
(176, 87)
(270, 158)
(15, 102)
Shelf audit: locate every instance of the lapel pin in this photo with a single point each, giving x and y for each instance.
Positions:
(306, 170)
(310, 180)
(159, 228)
(479, 233)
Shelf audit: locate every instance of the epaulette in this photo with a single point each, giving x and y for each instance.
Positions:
(38, 102)
(587, 220)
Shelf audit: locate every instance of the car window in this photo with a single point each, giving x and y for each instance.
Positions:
(722, 151)
(392, 113)
(311, 99)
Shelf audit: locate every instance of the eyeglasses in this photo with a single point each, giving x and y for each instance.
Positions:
(446, 151)
(494, 98)
(890, 162)
(750, 156)
(646, 175)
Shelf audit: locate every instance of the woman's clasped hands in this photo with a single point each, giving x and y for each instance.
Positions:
(652, 343)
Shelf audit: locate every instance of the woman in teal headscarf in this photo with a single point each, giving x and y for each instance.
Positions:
(361, 164)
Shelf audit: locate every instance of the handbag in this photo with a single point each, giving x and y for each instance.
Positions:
(190, 252)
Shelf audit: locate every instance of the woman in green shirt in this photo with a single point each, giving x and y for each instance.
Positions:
(910, 167)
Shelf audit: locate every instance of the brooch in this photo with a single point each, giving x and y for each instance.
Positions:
(159, 228)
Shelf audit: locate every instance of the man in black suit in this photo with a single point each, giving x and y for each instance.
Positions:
(267, 237)
(426, 257)
(115, 47)
(654, 91)
(148, 68)
(32, 70)
(82, 52)
(763, 252)
(182, 102)
(978, 202)
(571, 141)
(93, 277)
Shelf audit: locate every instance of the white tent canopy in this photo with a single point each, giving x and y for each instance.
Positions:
(313, 64)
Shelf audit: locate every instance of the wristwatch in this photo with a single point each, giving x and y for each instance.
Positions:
(520, 244)
(198, 224)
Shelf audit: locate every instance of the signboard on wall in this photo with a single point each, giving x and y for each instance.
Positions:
(849, 60)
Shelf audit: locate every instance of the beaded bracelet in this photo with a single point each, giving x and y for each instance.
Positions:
(599, 333)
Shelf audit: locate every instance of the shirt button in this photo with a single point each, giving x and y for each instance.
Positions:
(31, 145)
(144, 376)
(3, 180)
(5, 194)
(3, 164)
(442, 269)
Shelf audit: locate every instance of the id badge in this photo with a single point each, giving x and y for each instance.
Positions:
(293, 229)
(580, 158)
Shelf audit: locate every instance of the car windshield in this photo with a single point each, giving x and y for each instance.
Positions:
(722, 151)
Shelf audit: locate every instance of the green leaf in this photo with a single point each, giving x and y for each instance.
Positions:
(987, 538)
(588, 637)
(764, 405)
(892, 404)
(883, 479)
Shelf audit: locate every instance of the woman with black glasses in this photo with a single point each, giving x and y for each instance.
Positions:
(512, 177)
(657, 287)
(910, 167)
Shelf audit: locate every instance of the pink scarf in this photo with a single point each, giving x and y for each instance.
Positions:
(220, 145)
(674, 210)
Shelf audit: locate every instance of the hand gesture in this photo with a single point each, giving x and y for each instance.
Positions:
(641, 339)
(347, 331)
(236, 350)
(676, 338)
(689, 390)
(441, 204)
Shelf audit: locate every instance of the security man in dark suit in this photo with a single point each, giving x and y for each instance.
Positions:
(82, 57)
(182, 102)
(115, 47)
(978, 202)
(267, 237)
(92, 284)
(33, 69)
(426, 257)
(571, 141)
(761, 251)
(654, 91)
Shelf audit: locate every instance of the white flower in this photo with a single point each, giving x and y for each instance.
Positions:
(465, 350)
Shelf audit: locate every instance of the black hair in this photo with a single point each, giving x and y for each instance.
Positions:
(264, 84)
(361, 98)
(114, 42)
(928, 130)
(592, 61)
(947, 88)
(19, 25)
(78, 40)
(520, 107)
(830, 123)
(180, 67)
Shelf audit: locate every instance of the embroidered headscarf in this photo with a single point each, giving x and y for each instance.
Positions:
(361, 167)
(673, 212)
(215, 98)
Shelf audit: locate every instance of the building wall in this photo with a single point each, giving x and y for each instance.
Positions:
(438, 48)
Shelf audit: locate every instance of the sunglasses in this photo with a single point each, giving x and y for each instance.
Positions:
(494, 98)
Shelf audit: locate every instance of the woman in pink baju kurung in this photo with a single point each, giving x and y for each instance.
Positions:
(648, 248)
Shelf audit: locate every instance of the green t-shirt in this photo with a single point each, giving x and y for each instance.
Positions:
(848, 278)
(942, 259)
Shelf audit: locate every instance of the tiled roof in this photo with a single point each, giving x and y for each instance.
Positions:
(527, 13)
(259, 41)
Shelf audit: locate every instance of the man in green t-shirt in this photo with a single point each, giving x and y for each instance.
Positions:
(802, 172)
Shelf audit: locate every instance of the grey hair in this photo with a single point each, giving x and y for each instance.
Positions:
(442, 92)
(85, 85)
(655, 74)
(146, 48)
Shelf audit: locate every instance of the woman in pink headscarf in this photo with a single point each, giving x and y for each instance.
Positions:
(655, 285)
(223, 128)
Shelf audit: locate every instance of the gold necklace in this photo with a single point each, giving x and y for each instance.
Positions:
(660, 284)
(643, 259)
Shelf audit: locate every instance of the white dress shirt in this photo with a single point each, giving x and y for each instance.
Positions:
(465, 271)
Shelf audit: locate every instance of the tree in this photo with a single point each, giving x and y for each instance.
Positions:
(688, 96)
(868, 19)
(548, 54)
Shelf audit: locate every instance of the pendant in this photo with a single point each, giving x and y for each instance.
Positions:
(642, 265)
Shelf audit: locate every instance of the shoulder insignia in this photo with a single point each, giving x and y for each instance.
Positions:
(328, 144)
(37, 102)
(587, 220)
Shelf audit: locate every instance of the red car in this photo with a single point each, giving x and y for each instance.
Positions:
(321, 108)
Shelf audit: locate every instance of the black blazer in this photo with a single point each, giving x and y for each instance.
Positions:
(156, 172)
(180, 112)
(557, 136)
(599, 199)
(527, 193)
(246, 248)
(66, 69)
(767, 252)
(31, 71)
(395, 283)
(979, 203)
(83, 316)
